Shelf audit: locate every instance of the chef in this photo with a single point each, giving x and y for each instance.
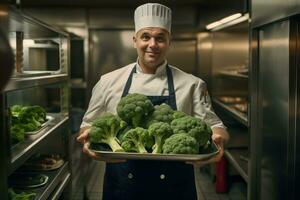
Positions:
(161, 82)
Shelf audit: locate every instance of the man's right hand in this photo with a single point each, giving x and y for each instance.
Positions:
(83, 138)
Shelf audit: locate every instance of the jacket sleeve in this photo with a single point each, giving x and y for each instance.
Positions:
(96, 104)
(202, 107)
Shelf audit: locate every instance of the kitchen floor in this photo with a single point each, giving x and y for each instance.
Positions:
(237, 188)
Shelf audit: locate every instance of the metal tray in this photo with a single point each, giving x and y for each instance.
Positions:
(35, 134)
(57, 165)
(16, 180)
(206, 154)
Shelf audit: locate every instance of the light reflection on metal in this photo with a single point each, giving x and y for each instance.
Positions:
(227, 21)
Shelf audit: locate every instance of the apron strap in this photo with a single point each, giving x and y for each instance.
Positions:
(172, 96)
(128, 82)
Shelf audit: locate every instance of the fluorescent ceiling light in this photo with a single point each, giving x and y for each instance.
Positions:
(223, 21)
(213, 25)
(230, 18)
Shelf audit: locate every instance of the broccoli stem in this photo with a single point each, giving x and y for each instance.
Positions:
(141, 148)
(157, 147)
(114, 145)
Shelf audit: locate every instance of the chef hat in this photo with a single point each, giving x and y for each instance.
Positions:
(152, 15)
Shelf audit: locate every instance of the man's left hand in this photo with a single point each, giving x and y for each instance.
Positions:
(220, 137)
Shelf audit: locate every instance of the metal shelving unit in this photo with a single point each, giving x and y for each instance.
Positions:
(56, 178)
(239, 116)
(234, 75)
(230, 80)
(22, 151)
(238, 157)
(23, 83)
(41, 80)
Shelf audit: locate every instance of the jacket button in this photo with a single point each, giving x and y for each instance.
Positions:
(162, 176)
(130, 176)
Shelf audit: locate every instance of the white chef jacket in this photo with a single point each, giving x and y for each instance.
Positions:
(191, 93)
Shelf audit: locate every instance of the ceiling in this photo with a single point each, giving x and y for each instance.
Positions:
(207, 10)
(130, 3)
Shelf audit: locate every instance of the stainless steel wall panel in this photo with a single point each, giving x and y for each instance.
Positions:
(109, 50)
(273, 109)
(111, 18)
(76, 17)
(204, 53)
(182, 54)
(266, 11)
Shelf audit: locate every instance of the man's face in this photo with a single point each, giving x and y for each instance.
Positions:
(152, 45)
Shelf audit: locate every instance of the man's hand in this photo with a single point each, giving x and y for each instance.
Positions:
(220, 137)
(83, 138)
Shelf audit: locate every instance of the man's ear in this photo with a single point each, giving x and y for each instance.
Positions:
(134, 41)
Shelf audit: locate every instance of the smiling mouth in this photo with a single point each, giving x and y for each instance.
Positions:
(154, 53)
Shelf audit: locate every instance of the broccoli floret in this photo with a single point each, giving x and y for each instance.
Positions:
(193, 127)
(12, 195)
(181, 143)
(105, 129)
(17, 134)
(160, 131)
(162, 113)
(136, 140)
(178, 114)
(15, 110)
(134, 108)
(33, 114)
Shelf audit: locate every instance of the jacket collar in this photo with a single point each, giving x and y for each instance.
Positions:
(159, 71)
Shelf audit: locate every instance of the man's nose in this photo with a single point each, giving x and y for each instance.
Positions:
(152, 42)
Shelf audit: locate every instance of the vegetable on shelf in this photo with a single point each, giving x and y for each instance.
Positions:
(25, 119)
(12, 195)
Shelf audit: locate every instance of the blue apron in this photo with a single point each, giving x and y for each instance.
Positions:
(146, 179)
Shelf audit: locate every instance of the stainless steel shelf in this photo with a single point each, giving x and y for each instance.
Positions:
(241, 117)
(23, 150)
(58, 191)
(31, 27)
(55, 178)
(237, 156)
(27, 82)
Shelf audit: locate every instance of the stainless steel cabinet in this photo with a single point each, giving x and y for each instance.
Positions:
(40, 78)
(275, 113)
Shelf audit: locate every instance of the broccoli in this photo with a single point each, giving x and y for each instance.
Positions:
(160, 131)
(29, 118)
(32, 114)
(17, 134)
(161, 113)
(181, 143)
(178, 114)
(12, 195)
(193, 127)
(136, 140)
(105, 129)
(15, 110)
(134, 108)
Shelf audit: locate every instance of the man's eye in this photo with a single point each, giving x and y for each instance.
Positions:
(145, 37)
(160, 39)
